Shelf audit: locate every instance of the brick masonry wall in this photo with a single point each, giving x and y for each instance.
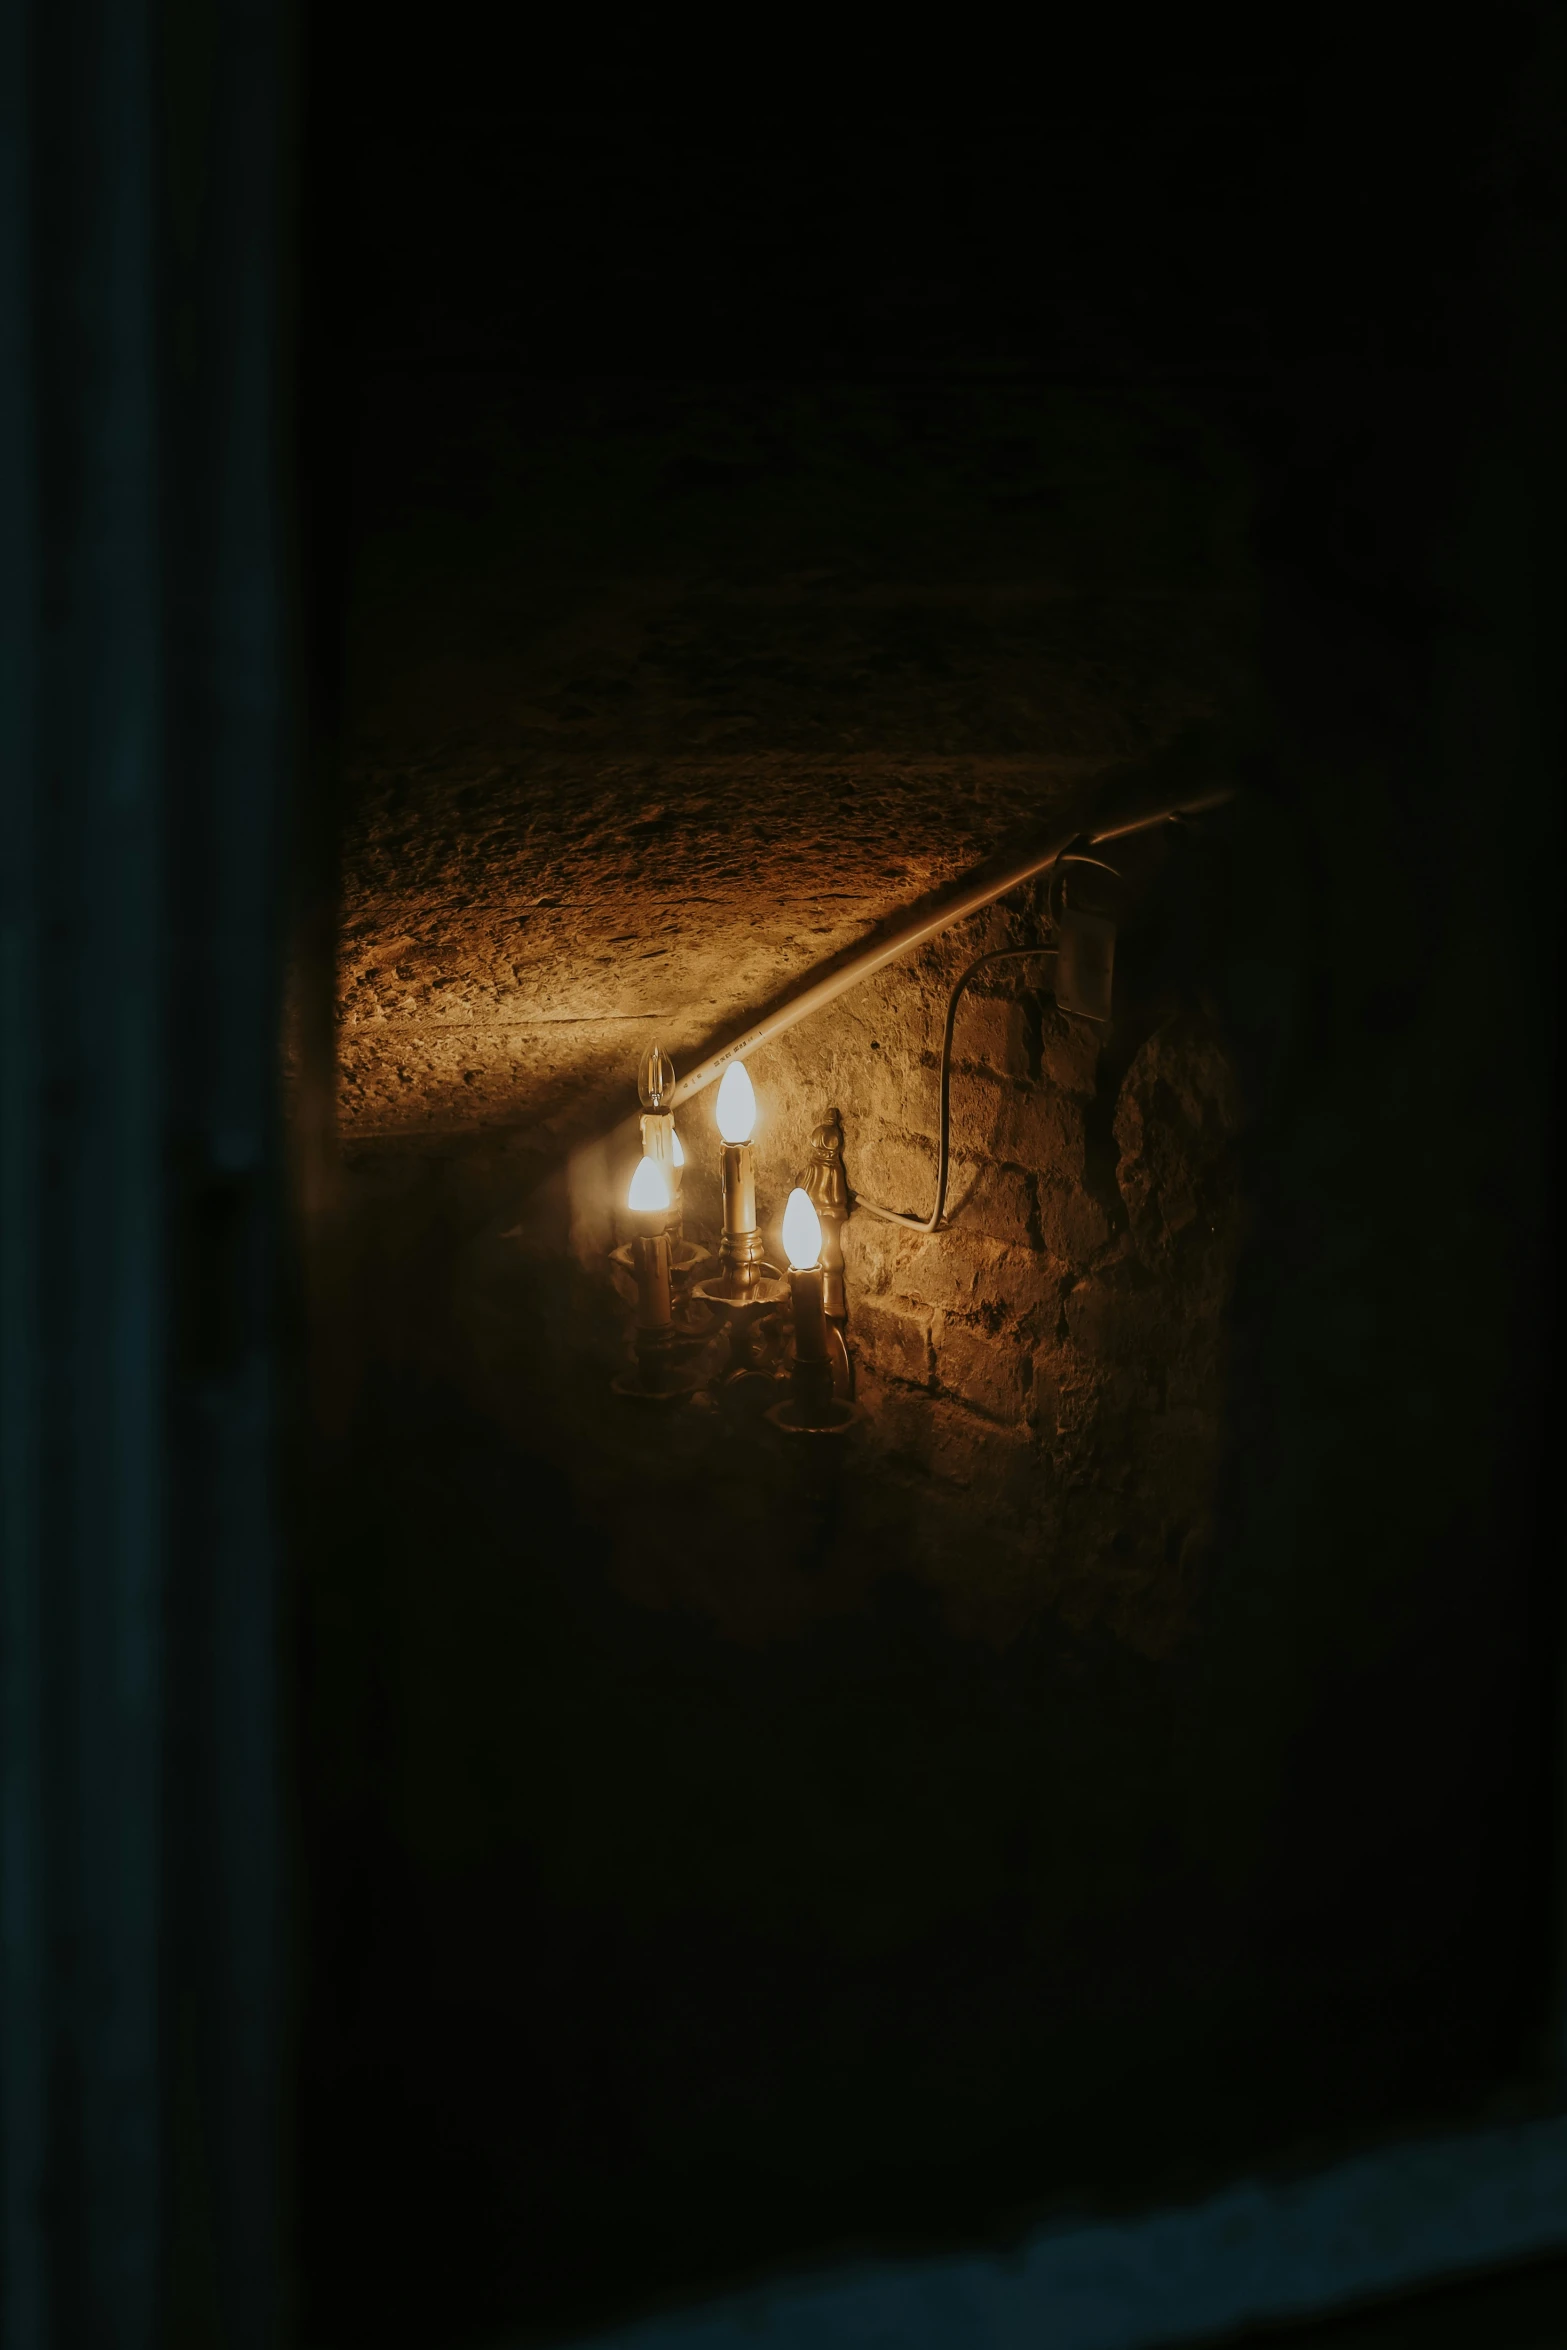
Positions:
(656, 703)
(1047, 1371)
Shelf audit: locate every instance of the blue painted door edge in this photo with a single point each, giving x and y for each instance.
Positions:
(1258, 2252)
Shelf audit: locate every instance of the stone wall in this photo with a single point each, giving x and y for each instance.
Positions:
(1047, 1371)
(679, 697)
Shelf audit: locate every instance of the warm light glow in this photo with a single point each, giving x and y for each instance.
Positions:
(678, 1155)
(802, 1231)
(649, 1188)
(736, 1104)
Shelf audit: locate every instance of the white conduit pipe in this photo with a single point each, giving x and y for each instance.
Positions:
(592, 1181)
(982, 889)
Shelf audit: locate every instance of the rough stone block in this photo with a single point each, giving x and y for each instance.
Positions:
(897, 1171)
(990, 1374)
(981, 1102)
(968, 1270)
(1050, 1368)
(993, 1030)
(1131, 1337)
(899, 1417)
(1178, 1112)
(1068, 1052)
(897, 1094)
(1101, 1319)
(878, 1257)
(1067, 1395)
(997, 1465)
(895, 1340)
(1040, 1128)
(1072, 1224)
(994, 1200)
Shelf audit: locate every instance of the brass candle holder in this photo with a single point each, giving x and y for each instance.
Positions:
(657, 1377)
(746, 1292)
(745, 1279)
(812, 1408)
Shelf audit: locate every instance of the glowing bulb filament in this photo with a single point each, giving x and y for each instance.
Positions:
(802, 1231)
(655, 1078)
(736, 1104)
(649, 1188)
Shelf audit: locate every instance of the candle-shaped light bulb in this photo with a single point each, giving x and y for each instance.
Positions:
(736, 1110)
(655, 1078)
(648, 1200)
(802, 1232)
(740, 1245)
(649, 1193)
(811, 1379)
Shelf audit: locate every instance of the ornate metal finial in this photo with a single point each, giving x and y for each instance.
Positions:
(827, 1189)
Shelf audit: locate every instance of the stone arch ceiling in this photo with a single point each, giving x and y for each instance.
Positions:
(658, 696)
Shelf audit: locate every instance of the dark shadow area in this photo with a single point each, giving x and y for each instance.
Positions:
(1525, 2310)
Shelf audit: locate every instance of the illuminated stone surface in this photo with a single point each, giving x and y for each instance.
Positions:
(674, 700)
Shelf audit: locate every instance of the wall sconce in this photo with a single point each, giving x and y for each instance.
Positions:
(746, 1294)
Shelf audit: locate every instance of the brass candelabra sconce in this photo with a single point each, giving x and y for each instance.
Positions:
(757, 1344)
(801, 1379)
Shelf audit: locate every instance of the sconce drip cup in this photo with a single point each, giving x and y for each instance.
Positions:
(684, 1258)
(762, 1293)
(692, 1323)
